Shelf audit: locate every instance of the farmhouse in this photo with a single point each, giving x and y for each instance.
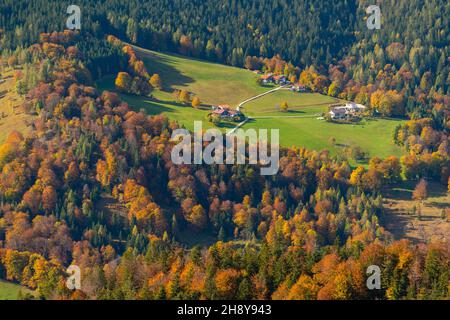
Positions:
(267, 78)
(280, 79)
(347, 111)
(220, 108)
(299, 88)
(225, 112)
(277, 79)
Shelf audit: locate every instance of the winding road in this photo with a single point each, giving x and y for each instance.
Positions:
(259, 96)
(263, 117)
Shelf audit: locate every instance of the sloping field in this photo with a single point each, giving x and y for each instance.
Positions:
(10, 291)
(433, 225)
(213, 83)
(11, 117)
(218, 84)
(373, 136)
(298, 104)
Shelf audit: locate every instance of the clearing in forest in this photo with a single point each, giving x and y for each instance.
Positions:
(219, 84)
(401, 220)
(11, 115)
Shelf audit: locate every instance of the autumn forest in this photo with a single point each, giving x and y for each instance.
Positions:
(91, 182)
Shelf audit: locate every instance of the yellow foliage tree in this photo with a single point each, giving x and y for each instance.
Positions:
(156, 81)
(197, 217)
(195, 102)
(227, 282)
(304, 289)
(123, 81)
(356, 176)
(284, 106)
(184, 97)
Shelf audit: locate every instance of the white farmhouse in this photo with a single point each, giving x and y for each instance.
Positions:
(347, 111)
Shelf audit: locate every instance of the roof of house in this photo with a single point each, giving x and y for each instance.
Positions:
(227, 112)
(266, 76)
(348, 108)
(218, 111)
(339, 110)
(225, 109)
(353, 105)
(279, 77)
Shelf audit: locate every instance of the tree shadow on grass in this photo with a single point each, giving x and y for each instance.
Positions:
(353, 124)
(440, 205)
(149, 105)
(153, 108)
(174, 103)
(404, 191)
(295, 111)
(401, 226)
(162, 65)
(436, 190)
(205, 107)
(342, 145)
(228, 125)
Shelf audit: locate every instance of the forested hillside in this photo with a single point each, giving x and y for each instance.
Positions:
(93, 183)
(302, 31)
(407, 59)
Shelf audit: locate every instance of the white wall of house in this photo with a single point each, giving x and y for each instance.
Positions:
(348, 110)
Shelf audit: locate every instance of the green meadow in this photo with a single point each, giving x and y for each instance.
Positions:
(218, 84)
(299, 104)
(213, 83)
(372, 135)
(10, 291)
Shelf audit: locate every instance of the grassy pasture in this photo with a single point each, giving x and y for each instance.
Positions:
(219, 84)
(299, 104)
(11, 118)
(213, 83)
(10, 291)
(401, 221)
(372, 135)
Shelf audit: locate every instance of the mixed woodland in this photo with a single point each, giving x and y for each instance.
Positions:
(93, 184)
